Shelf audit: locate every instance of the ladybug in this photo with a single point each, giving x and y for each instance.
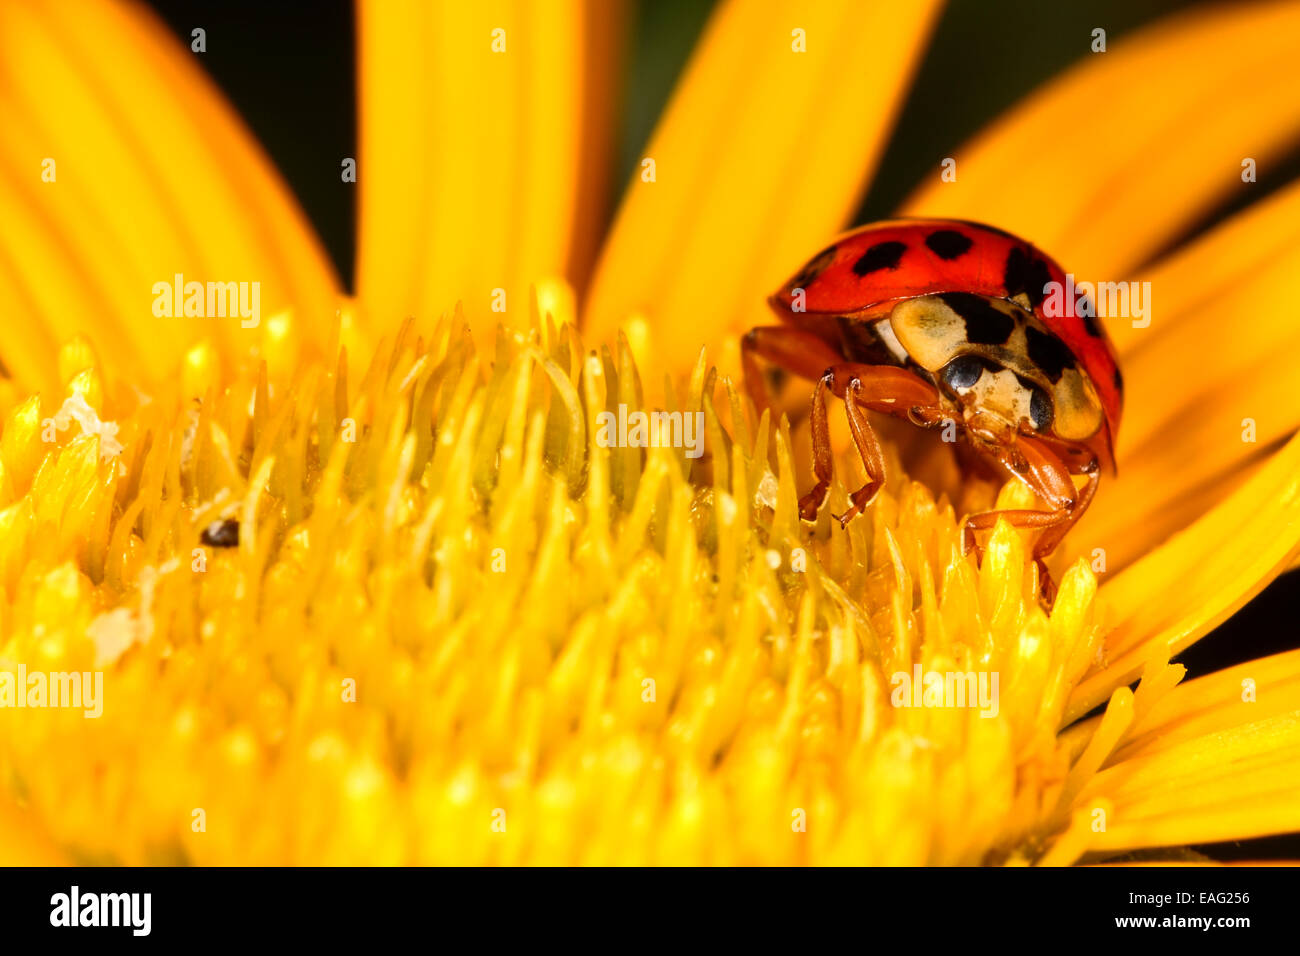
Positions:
(943, 321)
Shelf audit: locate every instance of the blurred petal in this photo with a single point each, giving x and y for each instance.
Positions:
(1221, 261)
(23, 841)
(1215, 366)
(606, 23)
(470, 158)
(155, 176)
(1106, 165)
(1197, 579)
(759, 160)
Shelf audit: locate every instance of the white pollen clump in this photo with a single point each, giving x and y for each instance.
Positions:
(75, 409)
(114, 632)
(768, 486)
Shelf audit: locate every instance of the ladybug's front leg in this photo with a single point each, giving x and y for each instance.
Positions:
(1049, 478)
(883, 388)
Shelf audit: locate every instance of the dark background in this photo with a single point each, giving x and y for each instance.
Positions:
(289, 70)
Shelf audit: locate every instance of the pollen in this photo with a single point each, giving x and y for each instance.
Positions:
(75, 409)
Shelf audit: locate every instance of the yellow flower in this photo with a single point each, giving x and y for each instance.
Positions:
(455, 627)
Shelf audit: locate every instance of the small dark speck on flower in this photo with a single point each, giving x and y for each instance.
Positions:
(221, 534)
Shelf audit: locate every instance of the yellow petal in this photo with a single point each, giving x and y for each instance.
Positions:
(1197, 579)
(1231, 785)
(604, 32)
(1210, 760)
(471, 148)
(1104, 166)
(28, 348)
(1226, 699)
(1209, 385)
(23, 842)
(759, 160)
(154, 176)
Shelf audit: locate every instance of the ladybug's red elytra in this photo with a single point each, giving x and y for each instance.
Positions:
(937, 321)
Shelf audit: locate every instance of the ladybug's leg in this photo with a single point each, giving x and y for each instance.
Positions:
(1050, 479)
(1050, 538)
(873, 459)
(812, 502)
(795, 350)
(883, 388)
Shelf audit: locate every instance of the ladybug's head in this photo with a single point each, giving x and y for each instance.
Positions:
(996, 362)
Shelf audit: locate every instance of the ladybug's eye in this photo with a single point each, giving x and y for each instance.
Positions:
(1040, 409)
(962, 372)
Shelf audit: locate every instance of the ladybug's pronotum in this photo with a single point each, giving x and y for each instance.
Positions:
(942, 321)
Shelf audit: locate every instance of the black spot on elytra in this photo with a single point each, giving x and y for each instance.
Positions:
(985, 325)
(813, 268)
(1048, 353)
(883, 255)
(1091, 325)
(948, 244)
(1027, 274)
(221, 534)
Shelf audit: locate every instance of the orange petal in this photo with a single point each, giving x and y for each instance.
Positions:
(154, 175)
(759, 160)
(23, 842)
(1230, 785)
(604, 34)
(1226, 699)
(1209, 385)
(471, 151)
(1106, 165)
(1196, 580)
